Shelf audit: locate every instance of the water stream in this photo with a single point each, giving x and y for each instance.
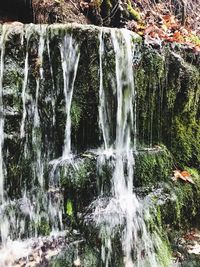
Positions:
(123, 210)
(3, 230)
(40, 202)
(37, 209)
(70, 59)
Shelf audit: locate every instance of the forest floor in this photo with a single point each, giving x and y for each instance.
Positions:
(158, 22)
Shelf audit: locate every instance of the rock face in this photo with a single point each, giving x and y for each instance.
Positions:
(169, 102)
(47, 12)
(36, 120)
(167, 88)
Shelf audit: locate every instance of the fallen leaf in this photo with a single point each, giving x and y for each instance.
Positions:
(189, 179)
(183, 175)
(177, 175)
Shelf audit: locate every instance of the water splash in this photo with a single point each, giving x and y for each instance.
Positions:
(3, 221)
(38, 166)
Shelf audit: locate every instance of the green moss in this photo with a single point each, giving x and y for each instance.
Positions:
(43, 227)
(153, 167)
(79, 174)
(108, 4)
(75, 115)
(168, 99)
(186, 141)
(87, 254)
(149, 79)
(159, 238)
(182, 209)
(159, 217)
(178, 207)
(133, 13)
(189, 197)
(164, 253)
(69, 208)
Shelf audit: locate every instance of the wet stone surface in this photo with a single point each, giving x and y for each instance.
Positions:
(38, 253)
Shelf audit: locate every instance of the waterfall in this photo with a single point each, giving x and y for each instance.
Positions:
(37, 151)
(124, 208)
(39, 201)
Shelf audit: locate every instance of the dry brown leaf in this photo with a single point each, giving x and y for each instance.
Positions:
(178, 175)
(183, 175)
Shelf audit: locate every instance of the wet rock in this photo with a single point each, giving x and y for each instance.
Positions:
(41, 251)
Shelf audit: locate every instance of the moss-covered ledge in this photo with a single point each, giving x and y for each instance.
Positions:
(168, 89)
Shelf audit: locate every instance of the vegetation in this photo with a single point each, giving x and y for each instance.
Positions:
(159, 22)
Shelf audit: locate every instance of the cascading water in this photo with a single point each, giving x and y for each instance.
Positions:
(123, 212)
(45, 150)
(38, 203)
(70, 59)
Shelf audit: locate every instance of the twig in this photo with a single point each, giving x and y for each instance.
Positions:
(74, 5)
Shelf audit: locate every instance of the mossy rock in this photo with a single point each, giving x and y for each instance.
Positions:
(181, 206)
(152, 167)
(168, 95)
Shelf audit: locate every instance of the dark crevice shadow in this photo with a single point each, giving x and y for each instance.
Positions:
(16, 10)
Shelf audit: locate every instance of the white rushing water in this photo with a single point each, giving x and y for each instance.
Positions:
(123, 210)
(70, 58)
(28, 33)
(39, 203)
(103, 116)
(70, 55)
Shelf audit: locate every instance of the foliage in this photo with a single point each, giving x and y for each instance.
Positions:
(159, 22)
(167, 22)
(134, 14)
